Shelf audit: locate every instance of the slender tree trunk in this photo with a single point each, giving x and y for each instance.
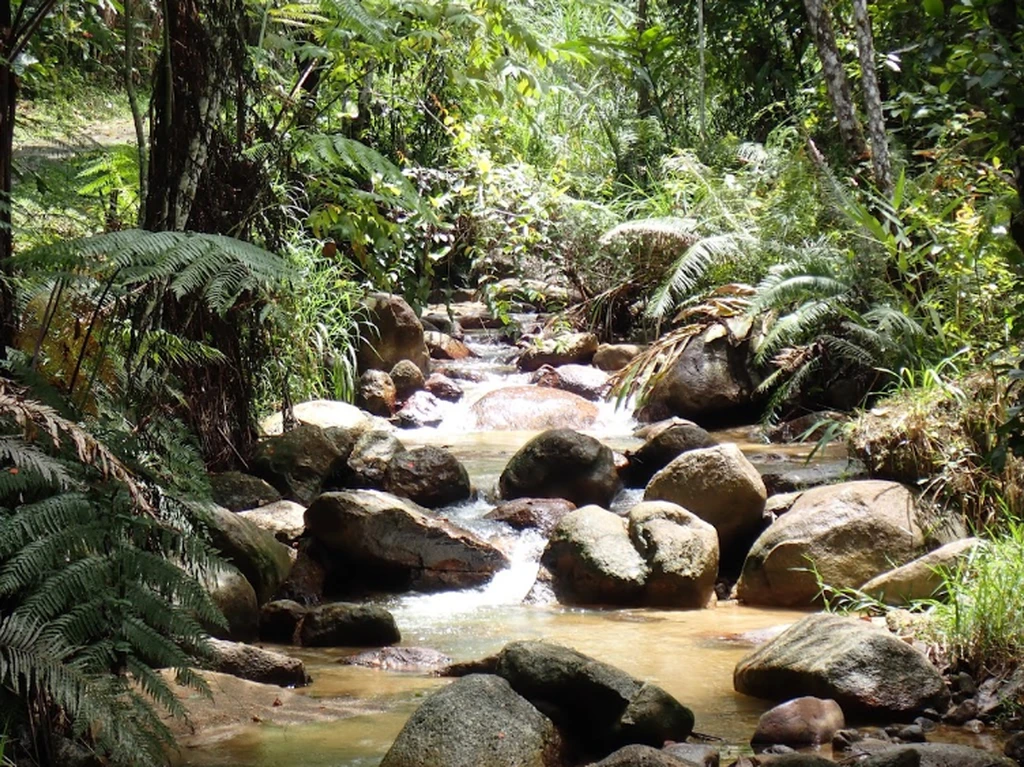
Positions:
(701, 69)
(133, 101)
(644, 105)
(872, 98)
(835, 78)
(8, 100)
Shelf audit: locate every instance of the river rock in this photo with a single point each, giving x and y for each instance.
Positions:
(443, 387)
(937, 755)
(851, 532)
(430, 476)
(532, 408)
(642, 756)
(307, 580)
(562, 463)
(236, 491)
(612, 357)
(565, 349)
(326, 414)
(421, 409)
(598, 705)
(300, 462)
(589, 383)
(476, 721)
(806, 721)
(920, 579)
(371, 455)
(408, 378)
(592, 560)
(391, 542)
(257, 664)
(282, 519)
(865, 669)
(669, 440)
(406, 659)
(263, 560)
(695, 754)
(542, 514)
(236, 599)
(341, 624)
(444, 347)
(681, 553)
(377, 393)
(280, 619)
(395, 334)
(720, 486)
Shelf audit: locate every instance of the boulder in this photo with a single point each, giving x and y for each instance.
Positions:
(531, 513)
(421, 409)
(806, 721)
(282, 519)
(681, 552)
(377, 393)
(720, 486)
(324, 413)
(597, 705)
(390, 542)
(444, 347)
(257, 664)
(921, 578)
(562, 350)
(406, 659)
(865, 669)
(236, 599)
(407, 377)
(236, 491)
(851, 532)
(395, 334)
(476, 721)
(307, 580)
(612, 357)
(368, 463)
(299, 462)
(592, 560)
(341, 624)
(472, 315)
(263, 560)
(443, 387)
(532, 408)
(430, 476)
(938, 755)
(665, 443)
(562, 463)
(695, 754)
(589, 383)
(279, 621)
(642, 756)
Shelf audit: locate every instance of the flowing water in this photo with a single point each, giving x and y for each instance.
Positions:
(690, 653)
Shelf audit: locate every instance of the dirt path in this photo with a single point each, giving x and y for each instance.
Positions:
(96, 135)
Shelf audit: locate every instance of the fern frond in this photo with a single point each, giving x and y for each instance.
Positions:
(691, 266)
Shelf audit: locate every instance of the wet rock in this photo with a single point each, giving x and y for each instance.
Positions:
(263, 560)
(1014, 747)
(912, 733)
(236, 491)
(393, 544)
(368, 463)
(443, 387)
(565, 349)
(542, 514)
(300, 462)
(792, 475)
(720, 486)
(611, 357)
(797, 760)
(396, 334)
(562, 463)
(280, 619)
(962, 712)
(937, 755)
(421, 409)
(377, 393)
(642, 756)
(665, 443)
(341, 624)
(444, 347)
(851, 532)
(307, 580)
(921, 578)
(865, 669)
(408, 378)
(696, 754)
(411, 659)
(282, 519)
(806, 721)
(532, 408)
(681, 554)
(589, 383)
(597, 705)
(324, 413)
(236, 599)
(475, 721)
(430, 476)
(257, 664)
(471, 315)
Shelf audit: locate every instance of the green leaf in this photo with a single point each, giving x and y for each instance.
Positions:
(934, 8)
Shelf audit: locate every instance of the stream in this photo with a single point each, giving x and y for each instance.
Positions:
(691, 654)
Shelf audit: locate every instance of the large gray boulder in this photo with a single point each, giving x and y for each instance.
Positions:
(666, 441)
(720, 486)
(922, 578)
(681, 552)
(236, 491)
(850, 532)
(588, 382)
(392, 543)
(532, 408)
(642, 756)
(430, 476)
(476, 721)
(262, 559)
(326, 414)
(341, 624)
(595, 704)
(566, 349)
(282, 519)
(395, 334)
(939, 755)
(562, 463)
(299, 462)
(368, 462)
(865, 669)
(257, 664)
(236, 599)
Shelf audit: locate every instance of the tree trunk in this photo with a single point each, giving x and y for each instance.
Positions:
(644, 105)
(835, 78)
(133, 101)
(8, 100)
(872, 99)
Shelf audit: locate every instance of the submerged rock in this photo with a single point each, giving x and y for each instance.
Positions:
(542, 514)
(806, 721)
(341, 624)
(412, 659)
(257, 665)
(532, 408)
